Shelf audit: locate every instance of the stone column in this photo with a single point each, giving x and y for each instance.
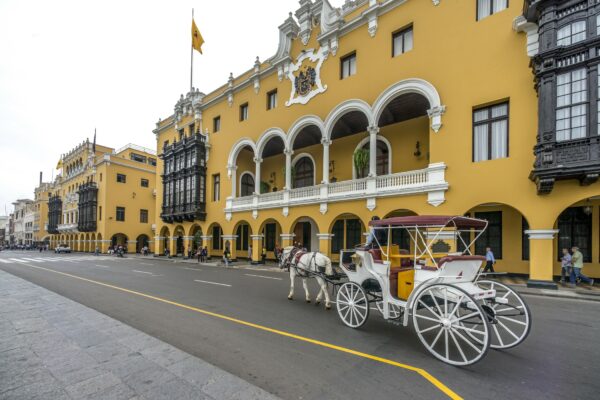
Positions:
(541, 258)
(232, 169)
(288, 168)
(324, 243)
(159, 247)
(287, 239)
(257, 245)
(173, 246)
(373, 132)
(326, 143)
(257, 162)
(187, 244)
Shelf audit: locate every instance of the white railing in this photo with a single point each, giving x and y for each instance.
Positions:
(430, 181)
(68, 228)
(304, 193)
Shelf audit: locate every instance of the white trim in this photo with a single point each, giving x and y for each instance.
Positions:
(342, 109)
(301, 155)
(287, 236)
(541, 234)
(266, 137)
(239, 194)
(325, 236)
(365, 141)
(412, 85)
(300, 124)
(237, 147)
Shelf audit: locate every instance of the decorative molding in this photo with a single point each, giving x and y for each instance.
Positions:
(230, 90)
(306, 77)
(325, 236)
(371, 14)
(323, 208)
(435, 115)
(305, 16)
(436, 2)
(287, 236)
(541, 234)
(520, 24)
(371, 203)
(256, 77)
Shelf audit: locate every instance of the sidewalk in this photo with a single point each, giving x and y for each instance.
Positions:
(54, 348)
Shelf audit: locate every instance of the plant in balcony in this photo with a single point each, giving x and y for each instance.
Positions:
(264, 187)
(361, 162)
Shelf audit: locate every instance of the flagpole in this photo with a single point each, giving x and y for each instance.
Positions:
(192, 59)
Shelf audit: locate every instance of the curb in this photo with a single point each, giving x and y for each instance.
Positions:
(559, 294)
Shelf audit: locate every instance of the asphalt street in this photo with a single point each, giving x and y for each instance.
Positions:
(296, 350)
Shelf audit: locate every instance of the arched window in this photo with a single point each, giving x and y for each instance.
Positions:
(247, 185)
(304, 173)
(383, 154)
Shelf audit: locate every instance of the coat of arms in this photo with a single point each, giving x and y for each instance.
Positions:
(305, 76)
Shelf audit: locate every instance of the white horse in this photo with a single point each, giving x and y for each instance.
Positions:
(307, 266)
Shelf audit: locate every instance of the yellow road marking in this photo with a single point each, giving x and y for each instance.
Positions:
(434, 381)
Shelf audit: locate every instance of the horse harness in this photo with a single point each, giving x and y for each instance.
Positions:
(293, 261)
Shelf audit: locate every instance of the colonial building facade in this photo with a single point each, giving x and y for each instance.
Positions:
(101, 198)
(396, 107)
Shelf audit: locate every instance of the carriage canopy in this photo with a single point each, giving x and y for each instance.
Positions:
(440, 221)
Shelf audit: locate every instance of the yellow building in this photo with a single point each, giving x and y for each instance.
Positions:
(40, 225)
(380, 108)
(103, 198)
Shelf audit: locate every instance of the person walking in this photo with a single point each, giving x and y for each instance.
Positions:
(189, 252)
(199, 254)
(577, 262)
(489, 260)
(97, 251)
(226, 255)
(250, 252)
(566, 266)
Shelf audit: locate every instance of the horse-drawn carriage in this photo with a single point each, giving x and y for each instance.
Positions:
(435, 281)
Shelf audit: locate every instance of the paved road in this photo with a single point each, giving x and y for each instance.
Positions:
(557, 361)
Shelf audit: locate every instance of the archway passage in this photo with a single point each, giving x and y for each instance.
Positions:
(271, 231)
(216, 232)
(305, 231)
(119, 239)
(178, 234)
(141, 242)
(505, 236)
(163, 242)
(401, 237)
(269, 176)
(347, 231)
(196, 235)
(242, 243)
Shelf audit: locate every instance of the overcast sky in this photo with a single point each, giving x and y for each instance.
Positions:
(67, 67)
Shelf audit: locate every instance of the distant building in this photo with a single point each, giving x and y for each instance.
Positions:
(23, 222)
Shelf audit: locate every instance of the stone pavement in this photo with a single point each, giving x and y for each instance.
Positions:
(53, 348)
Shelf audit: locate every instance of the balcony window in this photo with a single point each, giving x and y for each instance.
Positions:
(121, 178)
(216, 187)
(382, 162)
(217, 241)
(152, 161)
(216, 124)
(571, 34)
(571, 102)
(490, 132)
(304, 173)
(575, 229)
(348, 66)
(485, 8)
(144, 216)
(192, 129)
(144, 183)
(137, 157)
(402, 41)
(246, 185)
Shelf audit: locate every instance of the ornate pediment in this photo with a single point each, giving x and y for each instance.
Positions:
(305, 75)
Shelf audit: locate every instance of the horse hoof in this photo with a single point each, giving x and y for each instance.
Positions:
(328, 308)
(290, 298)
(308, 300)
(317, 303)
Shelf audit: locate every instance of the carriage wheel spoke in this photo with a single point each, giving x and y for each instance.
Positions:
(507, 308)
(498, 335)
(460, 335)
(429, 308)
(437, 337)
(516, 321)
(508, 330)
(347, 313)
(464, 328)
(447, 347)
(467, 316)
(430, 328)
(458, 303)
(458, 347)
(427, 318)
(436, 304)
(446, 301)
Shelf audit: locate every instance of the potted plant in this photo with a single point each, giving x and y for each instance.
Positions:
(361, 162)
(264, 187)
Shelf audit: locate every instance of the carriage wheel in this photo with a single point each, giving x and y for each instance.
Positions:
(352, 305)
(512, 318)
(453, 338)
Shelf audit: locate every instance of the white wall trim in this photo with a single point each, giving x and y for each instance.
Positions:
(300, 124)
(541, 234)
(237, 147)
(344, 108)
(266, 137)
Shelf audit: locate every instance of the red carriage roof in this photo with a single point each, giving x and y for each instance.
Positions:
(431, 220)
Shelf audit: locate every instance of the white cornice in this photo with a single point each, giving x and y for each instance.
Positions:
(110, 160)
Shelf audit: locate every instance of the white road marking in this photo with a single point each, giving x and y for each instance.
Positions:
(263, 276)
(212, 283)
(142, 272)
(193, 269)
(102, 266)
(4, 261)
(31, 259)
(146, 264)
(17, 260)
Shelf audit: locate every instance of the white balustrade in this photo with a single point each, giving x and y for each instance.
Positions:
(430, 180)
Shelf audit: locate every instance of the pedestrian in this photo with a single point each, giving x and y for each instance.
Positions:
(226, 255)
(489, 260)
(566, 266)
(199, 254)
(97, 251)
(263, 255)
(250, 252)
(577, 262)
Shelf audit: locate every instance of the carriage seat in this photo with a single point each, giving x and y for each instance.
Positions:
(394, 272)
(376, 254)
